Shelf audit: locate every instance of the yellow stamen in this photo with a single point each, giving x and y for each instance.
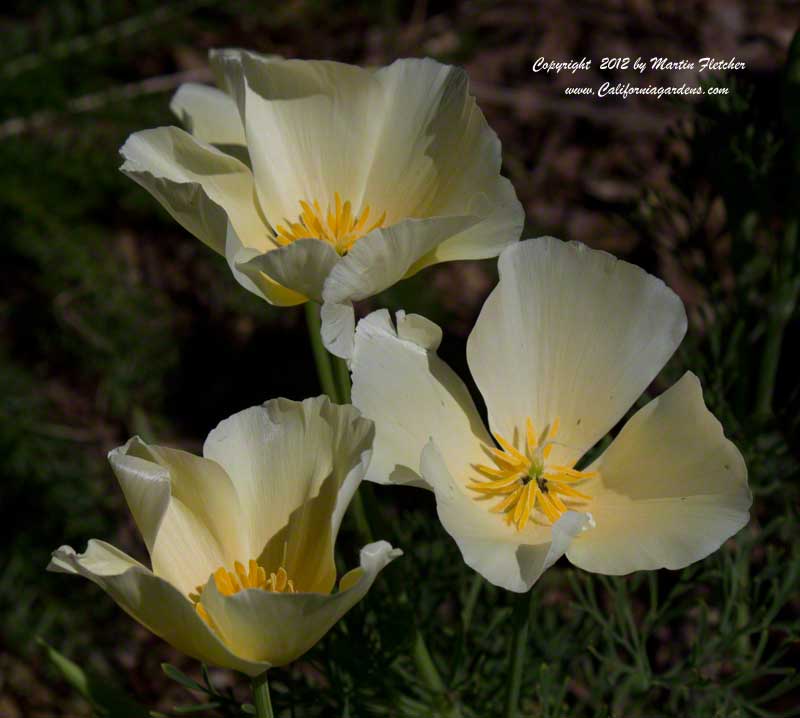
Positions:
(490, 472)
(228, 583)
(506, 503)
(530, 502)
(519, 517)
(525, 485)
(500, 458)
(569, 491)
(530, 433)
(339, 225)
(549, 510)
(557, 502)
(566, 471)
(201, 611)
(520, 457)
(501, 484)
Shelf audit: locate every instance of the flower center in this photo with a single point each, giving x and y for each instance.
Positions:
(524, 481)
(338, 225)
(254, 576)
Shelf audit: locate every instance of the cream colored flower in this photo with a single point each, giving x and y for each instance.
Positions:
(241, 539)
(324, 181)
(563, 347)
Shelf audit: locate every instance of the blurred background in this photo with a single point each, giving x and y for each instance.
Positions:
(115, 321)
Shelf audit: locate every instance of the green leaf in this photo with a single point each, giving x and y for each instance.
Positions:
(197, 708)
(105, 698)
(179, 677)
(71, 672)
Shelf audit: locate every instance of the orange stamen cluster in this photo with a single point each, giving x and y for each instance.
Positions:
(524, 482)
(339, 226)
(254, 576)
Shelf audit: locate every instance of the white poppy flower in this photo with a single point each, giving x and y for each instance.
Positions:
(325, 181)
(241, 540)
(563, 347)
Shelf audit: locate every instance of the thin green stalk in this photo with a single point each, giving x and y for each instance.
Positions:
(521, 620)
(360, 514)
(769, 367)
(340, 374)
(472, 599)
(342, 379)
(362, 498)
(743, 607)
(321, 357)
(422, 656)
(261, 698)
(783, 303)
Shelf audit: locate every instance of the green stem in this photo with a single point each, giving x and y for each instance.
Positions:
(521, 620)
(769, 368)
(743, 609)
(360, 514)
(342, 379)
(472, 599)
(341, 376)
(334, 376)
(321, 357)
(783, 302)
(261, 698)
